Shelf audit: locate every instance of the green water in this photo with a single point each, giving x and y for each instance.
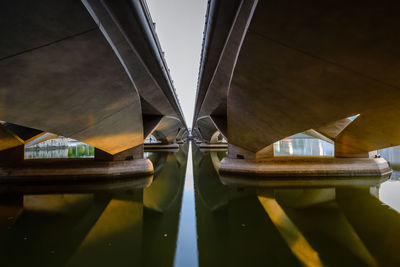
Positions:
(330, 226)
(185, 216)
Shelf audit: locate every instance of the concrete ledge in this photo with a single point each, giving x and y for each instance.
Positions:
(74, 171)
(302, 182)
(213, 150)
(210, 146)
(306, 167)
(160, 146)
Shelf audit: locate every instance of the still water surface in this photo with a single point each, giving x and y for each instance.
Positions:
(185, 216)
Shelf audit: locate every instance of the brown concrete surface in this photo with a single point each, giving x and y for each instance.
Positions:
(182, 135)
(310, 65)
(74, 171)
(306, 167)
(167, 129)
(89, 98)
(212, 97)
(206, 128)
(67, 68)
(219, 18)
(213, 145)
(337, 65)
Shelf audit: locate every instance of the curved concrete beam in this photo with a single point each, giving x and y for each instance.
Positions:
(168, 129)
(95, 75)
(219, 18)
(206, 128)
(122, 22)
(215, 97)
(78, 99)
(182, 135)
(336, 65)
(305, 66)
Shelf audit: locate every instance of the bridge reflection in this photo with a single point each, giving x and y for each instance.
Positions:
(244, 225)
(114, 224)
(135, 222)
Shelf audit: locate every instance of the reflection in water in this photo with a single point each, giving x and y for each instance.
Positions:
(197, 220)
(127, 226)
(186, 251)
(389, 191)
(293, 237)
(255, 226)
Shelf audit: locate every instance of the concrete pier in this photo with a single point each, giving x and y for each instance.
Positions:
(259, 83)
(213, 145)
(73, 170)
(96, 73)
(306, 167)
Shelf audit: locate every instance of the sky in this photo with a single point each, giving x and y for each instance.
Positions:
(179, 26)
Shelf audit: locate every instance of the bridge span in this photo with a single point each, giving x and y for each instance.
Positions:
(271, 69)
(90, 70)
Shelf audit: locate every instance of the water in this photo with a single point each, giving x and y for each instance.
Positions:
(105, 225)
(188, 217)
(330, 226)
(186, 252)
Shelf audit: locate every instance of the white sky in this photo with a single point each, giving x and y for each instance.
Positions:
(179, 26)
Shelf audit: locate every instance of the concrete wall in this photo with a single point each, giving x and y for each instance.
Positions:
(69, 69)
(304, 66)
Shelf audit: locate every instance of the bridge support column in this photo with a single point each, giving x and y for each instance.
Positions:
(241, 162)
(105, 167)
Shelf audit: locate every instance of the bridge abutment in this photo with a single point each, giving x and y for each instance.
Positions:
(106, 167)
(264, 164)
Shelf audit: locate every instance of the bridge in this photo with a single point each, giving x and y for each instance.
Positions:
(89, 70)
(270, 70)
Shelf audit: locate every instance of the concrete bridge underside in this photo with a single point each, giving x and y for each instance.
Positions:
(91, 70)
(270, 70)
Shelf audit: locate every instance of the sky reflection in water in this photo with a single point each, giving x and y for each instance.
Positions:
(188, 217)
